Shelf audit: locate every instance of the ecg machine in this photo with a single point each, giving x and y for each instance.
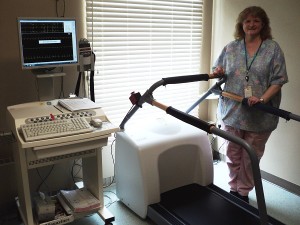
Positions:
(49, 150)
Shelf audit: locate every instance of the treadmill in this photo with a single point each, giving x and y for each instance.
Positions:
(204, 204)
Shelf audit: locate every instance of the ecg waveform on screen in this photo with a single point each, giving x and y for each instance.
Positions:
(42, 27)
(46, 42)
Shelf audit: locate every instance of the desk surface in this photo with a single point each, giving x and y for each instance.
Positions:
(18, 114)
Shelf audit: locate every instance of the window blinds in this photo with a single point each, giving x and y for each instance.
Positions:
(139, 42)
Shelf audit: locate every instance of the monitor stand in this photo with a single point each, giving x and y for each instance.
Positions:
(45, 82)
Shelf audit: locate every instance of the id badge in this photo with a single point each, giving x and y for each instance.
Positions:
(248, 91)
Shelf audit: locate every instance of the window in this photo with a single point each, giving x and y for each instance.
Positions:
(139, 42)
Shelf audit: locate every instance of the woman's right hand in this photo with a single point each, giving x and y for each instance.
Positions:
(217, 73)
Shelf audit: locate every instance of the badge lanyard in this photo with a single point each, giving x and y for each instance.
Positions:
(248, 89)
(246, 58)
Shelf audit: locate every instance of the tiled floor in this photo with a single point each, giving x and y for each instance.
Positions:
(282, 205)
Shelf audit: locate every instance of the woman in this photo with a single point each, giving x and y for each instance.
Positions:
(255, 69)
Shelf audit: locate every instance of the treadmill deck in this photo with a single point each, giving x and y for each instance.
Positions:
(197, 205)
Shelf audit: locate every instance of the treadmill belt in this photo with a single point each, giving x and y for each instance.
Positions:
(197, 205)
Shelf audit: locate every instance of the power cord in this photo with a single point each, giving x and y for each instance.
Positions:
(77, 163)
(44, 178)
(64, 8)
(113, 160)
(111, 201)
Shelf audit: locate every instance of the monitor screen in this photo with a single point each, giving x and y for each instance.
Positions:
(47, 42)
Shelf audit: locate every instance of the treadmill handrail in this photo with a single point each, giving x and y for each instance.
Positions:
(147, 96)
(210, 128)
(185, 79)
(264, 107)
(216, 86)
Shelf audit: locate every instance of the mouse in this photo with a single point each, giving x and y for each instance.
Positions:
(96, 122)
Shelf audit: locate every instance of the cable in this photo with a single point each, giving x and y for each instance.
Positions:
(113, 160)
(64, 8)
(110, 199)
(74, 177)
(43, 179)
(92, 74)
(62, 94)
(78, 84)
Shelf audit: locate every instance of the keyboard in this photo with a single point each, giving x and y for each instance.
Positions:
(55, 128)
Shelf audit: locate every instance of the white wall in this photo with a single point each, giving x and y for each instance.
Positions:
(282, 152)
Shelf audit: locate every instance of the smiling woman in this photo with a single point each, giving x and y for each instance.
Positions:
(255, 68)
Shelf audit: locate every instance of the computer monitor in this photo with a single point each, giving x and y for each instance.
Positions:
(47, 42)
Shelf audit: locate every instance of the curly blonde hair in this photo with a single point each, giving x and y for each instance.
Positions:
(255, 11)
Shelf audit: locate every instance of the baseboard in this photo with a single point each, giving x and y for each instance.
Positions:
(293, 188)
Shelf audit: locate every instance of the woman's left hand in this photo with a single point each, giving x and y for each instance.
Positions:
(253, 100)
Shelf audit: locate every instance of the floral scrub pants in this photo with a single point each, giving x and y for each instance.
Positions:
(240, 171)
